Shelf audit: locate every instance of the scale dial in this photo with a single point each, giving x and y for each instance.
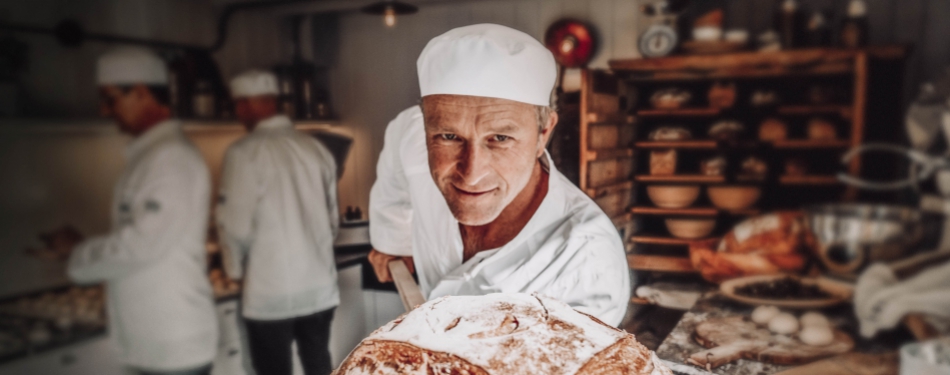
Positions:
(658, 41)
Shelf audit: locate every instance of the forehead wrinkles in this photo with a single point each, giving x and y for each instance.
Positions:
(447, 114)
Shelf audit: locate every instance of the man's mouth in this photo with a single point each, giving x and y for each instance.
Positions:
(470, 193)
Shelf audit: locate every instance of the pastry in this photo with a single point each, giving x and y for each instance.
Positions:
(670, 133)
(715, 166)
(783, 324)
(499, 334)
(773, 130)
(762, 98)
(670, 98)
(795, 167)
(821, 129)
(663, 162)
(722, 95)
(763, 314)
(754, 167)
(726, 130)
(816, 335)
(814, 318)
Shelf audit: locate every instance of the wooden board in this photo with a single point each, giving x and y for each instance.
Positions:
(735, 337)
(409, 291)
(850, 364)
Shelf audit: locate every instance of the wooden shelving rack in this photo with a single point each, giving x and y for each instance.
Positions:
(849, 68)
(613, 118)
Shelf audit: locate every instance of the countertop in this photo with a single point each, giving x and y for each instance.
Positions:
(680, 344)
(346, 256)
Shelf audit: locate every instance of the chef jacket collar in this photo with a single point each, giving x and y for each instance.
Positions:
(274, 122)
(144, 142)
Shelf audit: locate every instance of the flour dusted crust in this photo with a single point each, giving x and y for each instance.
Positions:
(499, 334)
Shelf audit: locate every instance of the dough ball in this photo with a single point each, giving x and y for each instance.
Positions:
(814, 318)
(784, 324)
(816, 335)
(763, 314)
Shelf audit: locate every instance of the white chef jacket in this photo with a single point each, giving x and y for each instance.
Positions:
(278, 208)
(160, 305)
(569, 250)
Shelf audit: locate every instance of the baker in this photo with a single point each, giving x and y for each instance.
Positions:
(467, 195)
(160, 304)
(277, 212)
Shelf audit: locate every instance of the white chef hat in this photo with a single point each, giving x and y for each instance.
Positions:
(131, 65)
(488, 60)
(254, 83)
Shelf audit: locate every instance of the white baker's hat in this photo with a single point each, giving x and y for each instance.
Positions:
(254, 83)
(488, 60)
(131, 65)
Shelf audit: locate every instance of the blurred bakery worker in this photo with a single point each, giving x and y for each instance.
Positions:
(277, 215)
(160, 304)
(466, 192)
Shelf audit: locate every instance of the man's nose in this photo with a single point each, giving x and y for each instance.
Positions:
(474, 164)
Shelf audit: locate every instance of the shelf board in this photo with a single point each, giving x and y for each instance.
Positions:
(689, 211)
(679, 112)
(752, 63)
(649, 239)
(811, 143)
(809, 180)
(659, 263)
(681, 178)
(842, 110)
(697, 144)
(708, 144)
(605, 154)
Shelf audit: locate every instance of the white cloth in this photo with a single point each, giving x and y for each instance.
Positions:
(160, 304)
(569, 250)
(880, 301)
(488, 60)
(131, 65)
(278, 208)
(254, 83)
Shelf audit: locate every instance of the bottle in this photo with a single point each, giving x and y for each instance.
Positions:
(789, 23)
(854, 30)
(202, 101)
(357, 213)
(817, 33)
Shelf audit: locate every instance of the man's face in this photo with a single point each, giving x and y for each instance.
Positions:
(125, 105)
(482, 152)
(250, 111)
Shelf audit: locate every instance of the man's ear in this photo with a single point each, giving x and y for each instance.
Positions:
(546, 132)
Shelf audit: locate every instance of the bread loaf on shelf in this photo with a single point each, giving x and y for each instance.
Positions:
(499, 334)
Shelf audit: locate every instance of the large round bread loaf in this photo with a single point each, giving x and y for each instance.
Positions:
(499, 334)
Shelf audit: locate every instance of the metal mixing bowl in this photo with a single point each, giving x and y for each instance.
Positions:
(851, 236)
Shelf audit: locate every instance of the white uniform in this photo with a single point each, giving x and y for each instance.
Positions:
(160, 305)
(278, 208)
(569, 249)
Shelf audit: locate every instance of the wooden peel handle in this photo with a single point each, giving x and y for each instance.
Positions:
(409, 291)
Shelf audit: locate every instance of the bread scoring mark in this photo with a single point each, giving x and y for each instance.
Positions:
(454, 323)
(543, 307)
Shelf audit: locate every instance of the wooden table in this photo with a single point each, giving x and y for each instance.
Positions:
(679, 345)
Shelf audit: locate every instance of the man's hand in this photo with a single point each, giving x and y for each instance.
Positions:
(380, 262)
(58, 244)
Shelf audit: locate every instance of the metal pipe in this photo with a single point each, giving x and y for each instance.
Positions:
(71, 33)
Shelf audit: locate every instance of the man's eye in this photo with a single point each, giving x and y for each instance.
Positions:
(448, 136)
(500, 138)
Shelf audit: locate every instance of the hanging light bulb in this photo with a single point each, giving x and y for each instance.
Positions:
(389, 17)
(389, 9)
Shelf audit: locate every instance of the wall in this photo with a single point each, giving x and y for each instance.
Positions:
(375, 77)
(60, 81)
(921, 23)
